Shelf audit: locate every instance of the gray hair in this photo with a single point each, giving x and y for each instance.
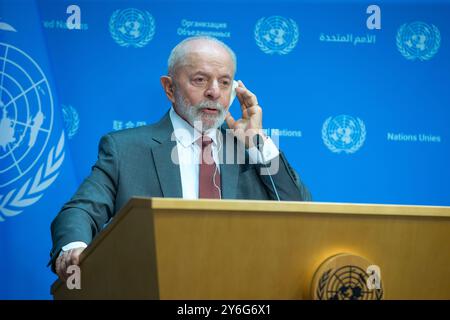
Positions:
(177, 55)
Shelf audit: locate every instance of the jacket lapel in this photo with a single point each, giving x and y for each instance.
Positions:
(168, 172)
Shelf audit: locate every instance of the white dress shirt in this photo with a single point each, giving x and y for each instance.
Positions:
(189, 158)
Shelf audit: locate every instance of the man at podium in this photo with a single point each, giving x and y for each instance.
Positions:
(190, 153)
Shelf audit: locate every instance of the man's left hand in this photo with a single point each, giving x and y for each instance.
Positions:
(251, 122)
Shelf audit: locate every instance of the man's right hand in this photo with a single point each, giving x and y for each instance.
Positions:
(65, 260)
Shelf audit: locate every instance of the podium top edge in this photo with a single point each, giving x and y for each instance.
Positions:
(243, 206)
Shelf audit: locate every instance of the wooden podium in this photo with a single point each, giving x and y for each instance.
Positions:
(220, 249)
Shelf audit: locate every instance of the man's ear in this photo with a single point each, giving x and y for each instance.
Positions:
(168, 86)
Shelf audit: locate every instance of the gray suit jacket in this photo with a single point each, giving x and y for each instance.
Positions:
(137, 162)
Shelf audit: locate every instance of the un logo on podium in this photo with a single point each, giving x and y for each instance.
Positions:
(343, 133)
(418, 40)
(347, 277)
(276, 35)
(132, 27)
(27, 167)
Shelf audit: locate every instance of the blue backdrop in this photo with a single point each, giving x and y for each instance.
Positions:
(358, 95)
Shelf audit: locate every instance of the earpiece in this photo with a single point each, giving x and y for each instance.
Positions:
(233, 92)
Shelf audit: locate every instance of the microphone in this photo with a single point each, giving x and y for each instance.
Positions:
(258, 140)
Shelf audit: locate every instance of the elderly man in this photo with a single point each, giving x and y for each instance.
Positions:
(159, 160)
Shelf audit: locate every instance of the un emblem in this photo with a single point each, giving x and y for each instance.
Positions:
(71, 120)
(343, 133)
(276, 35)
(27, 167)
(418, 40)
(347, 277)
(132, 27)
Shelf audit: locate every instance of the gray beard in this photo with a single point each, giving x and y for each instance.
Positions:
(194, 115)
